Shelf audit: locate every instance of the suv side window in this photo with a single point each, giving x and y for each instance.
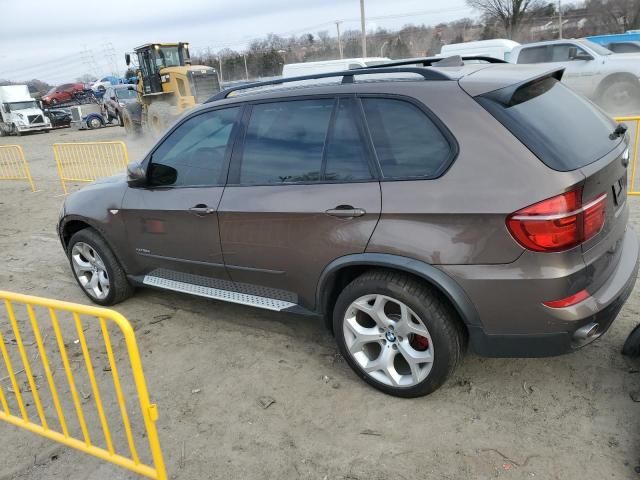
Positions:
(560, 52)
(284, 142)
(407, 142)
(194, 153)
(347, 156)
(533, 55)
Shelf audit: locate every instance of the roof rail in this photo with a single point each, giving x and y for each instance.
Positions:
(347, 77)
(433, 61)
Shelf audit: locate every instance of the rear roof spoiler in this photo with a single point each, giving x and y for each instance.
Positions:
(506, 78)
(508, 95)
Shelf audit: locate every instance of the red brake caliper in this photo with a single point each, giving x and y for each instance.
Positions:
(420, 343)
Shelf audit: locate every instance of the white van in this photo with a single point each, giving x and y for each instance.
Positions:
(499, 48)
(326, 66)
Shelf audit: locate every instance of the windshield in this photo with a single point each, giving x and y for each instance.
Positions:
(125, 93)
(596, 47)
(167, 57)
(23, 105)
(51, 91)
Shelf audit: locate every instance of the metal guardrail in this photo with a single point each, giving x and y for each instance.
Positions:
(13, 164)
(635, 135)
(89, 161)
(74, 430)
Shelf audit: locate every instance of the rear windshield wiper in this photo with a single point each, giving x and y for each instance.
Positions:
(620, 130)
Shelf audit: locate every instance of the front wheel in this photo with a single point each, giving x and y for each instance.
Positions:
(397, 333)
(96, 269)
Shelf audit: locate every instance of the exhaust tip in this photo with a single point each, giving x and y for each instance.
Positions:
(586, 331)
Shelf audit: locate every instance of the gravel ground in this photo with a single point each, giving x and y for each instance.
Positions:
(207, 364)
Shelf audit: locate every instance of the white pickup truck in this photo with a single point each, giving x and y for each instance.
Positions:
(19, 112)
(609, 79)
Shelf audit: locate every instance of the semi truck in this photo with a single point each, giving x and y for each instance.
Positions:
(19, 112)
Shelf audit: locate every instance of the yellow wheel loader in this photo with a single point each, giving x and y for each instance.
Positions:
(167, 86)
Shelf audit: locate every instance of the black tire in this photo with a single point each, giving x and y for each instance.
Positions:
(120, 288)
(119, 115)
(631, 346)
(94, 122)
(447, 333)
(159, 116)
(131, 127)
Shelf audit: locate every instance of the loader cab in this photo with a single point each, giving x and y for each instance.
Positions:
(153, 57)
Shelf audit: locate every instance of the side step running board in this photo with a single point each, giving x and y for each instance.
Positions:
(219, 294)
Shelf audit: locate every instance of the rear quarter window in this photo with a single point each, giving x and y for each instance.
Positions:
(408, 143)
(533, 55)
(563, 129)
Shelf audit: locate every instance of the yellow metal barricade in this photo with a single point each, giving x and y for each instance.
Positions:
(87, 162)
(21, 330)
(634, 132)
(13, 164)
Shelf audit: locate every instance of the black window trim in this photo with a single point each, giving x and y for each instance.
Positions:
(233, 179)
(222, 178)
(454, 147)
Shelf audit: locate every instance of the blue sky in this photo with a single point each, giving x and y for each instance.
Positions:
(64, 39)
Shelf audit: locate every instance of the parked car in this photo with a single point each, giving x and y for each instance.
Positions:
(59, 117)
(66, 92)
(608, 78)
(427, 210)
(323, 66)
(115, 100)
(499, 48)
(623, 47)
(105, 82)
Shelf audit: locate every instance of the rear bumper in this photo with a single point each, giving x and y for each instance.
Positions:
(601, 309)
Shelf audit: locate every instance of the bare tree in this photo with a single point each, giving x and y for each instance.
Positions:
(616, 16)
(511, 13)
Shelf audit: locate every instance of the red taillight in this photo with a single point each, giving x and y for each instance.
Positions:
(558, 223)
(567, 302)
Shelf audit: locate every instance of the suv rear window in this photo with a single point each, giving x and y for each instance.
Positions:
(563, 129)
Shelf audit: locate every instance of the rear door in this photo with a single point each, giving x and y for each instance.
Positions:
(172, 221)
(302, 192)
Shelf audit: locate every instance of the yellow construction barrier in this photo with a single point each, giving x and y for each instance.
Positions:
(20, 319)
(13, 165)
(87, 162)
(634, 124)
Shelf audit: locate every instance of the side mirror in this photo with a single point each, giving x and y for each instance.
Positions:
(574, 55)
(136, 175)
(127, 59)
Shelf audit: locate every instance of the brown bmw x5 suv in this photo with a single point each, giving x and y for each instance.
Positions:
(417, 209)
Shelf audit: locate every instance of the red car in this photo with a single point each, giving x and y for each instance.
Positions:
(62, 93)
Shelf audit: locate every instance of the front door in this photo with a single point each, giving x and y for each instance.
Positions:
(172, 222)
(579, 74)
(302, 192)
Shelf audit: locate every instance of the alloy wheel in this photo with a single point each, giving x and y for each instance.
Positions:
(90, 270)
(388, 340)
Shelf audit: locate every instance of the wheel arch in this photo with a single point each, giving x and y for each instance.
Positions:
(343, 270)
(614, 77)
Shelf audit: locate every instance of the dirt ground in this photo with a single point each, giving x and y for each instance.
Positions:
(207, 364)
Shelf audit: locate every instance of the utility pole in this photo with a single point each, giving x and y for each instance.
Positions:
(364, 30)
(559, 19)
(220, 64)
(339, 40)
(246, 70)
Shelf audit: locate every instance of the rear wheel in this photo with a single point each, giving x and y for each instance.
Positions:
(397, 334)
(96, 269)
(621, 96)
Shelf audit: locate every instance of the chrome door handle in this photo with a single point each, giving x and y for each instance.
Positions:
(201, 209)
(345, 211)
